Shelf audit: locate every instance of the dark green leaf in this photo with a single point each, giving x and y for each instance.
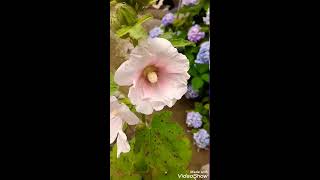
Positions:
(194, 130)
(204, 119)
(205, 77)
(198, 107)
(197, 83)
(205, 99)
(206, 127)
(192, 72)
(202, 68)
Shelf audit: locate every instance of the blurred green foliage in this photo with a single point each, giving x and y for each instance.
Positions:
(160, 151)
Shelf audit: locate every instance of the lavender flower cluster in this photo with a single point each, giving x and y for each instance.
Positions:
(194, 33)
(201, 138)
(194, 119)
(189, 2)
(191, 94)
(155, 32)
(203, 56)
(167, 19)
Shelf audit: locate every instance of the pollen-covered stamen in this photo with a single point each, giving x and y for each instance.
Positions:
(150, 74)
(152, 77)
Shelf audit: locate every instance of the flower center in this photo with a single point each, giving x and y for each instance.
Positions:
(150, 73)
(152, 77)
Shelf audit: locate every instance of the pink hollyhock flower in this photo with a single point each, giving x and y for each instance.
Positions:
(120, 113)
(158, 74)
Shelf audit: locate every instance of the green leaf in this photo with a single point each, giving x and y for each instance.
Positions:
(192, 72)
(144, 18)
(194, 131)
(205, 29)
(198, 107)
(196, 83)
(137, 32)
(182, 35)
(122, 14)
(167, 35)
(205, 77)
(207, 106)
(181, 43)
(123, 31)
(205, 99)
(204, 119)
(206, 127)
(160, 151)
(113, 86)
(206, 5)
(202, 68)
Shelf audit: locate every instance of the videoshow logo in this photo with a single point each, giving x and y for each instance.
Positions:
(194, 175)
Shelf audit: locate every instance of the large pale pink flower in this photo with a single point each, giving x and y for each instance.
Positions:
(157, 73)
(119, 114)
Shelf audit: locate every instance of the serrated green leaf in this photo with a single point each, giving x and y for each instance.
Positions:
(144, 18)
(122, 14)
(160, 151)
(196, 83)
(123, 31)
(205, 77)
(137, 32)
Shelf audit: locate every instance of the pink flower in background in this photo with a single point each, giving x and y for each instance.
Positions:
(120, 113)
(157, 73)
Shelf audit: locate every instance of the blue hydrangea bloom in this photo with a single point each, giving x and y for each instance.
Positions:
(194, 119)
(191, 94)
(167, 19)
(201, 138)
(155, 32)
(189, 2)
(203, 56)
(206, 19)
(194, 33)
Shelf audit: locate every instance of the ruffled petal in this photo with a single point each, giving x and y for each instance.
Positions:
(115, 126)
(131, 69)
(113, 99)
(126, 115)
(158, 105)
(144, 107)
(122, 144)
(176, 85)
